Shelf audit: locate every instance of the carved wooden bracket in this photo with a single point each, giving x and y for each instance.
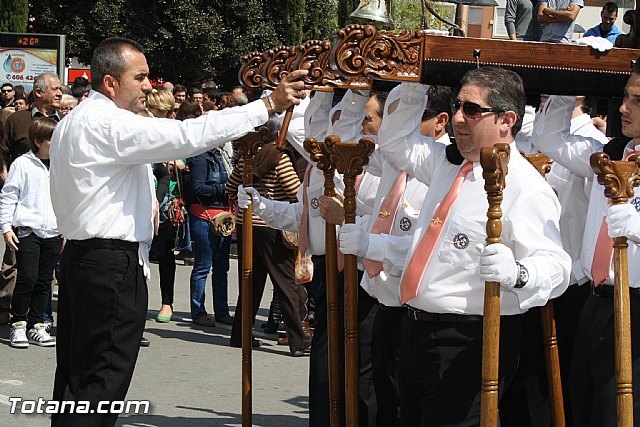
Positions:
(349, 158)
(280, 62)
(618, 177)
(540, 161)
(361, 50)
(414, 56)
(250, 74)
(247, 147)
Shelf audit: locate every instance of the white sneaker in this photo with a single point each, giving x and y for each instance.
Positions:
(38, 335)
(19, 335)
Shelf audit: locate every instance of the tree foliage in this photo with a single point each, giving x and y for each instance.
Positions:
(13, 16)
(346, 8)
(189, 40)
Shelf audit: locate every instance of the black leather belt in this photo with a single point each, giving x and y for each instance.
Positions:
(424, 316)
(606, 291)
(97, 243)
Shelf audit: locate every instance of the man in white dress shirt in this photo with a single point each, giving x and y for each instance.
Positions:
(592, 383)
(441, 343)
(102, 193)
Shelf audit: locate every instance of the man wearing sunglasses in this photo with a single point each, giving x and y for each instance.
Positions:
(592, 375)
(8, 94)
(443, 279)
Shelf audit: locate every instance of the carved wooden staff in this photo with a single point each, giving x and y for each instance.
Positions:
(248, 146)
(320, 155)
(349, 159)
(542, 163)
(494, 171)
(619, 178)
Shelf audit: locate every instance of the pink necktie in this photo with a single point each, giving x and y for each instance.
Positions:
(421, 256)
(303, 238)
(386, 217)
(603, 254)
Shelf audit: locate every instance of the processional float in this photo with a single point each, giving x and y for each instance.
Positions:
(415, 56)
(362, 57)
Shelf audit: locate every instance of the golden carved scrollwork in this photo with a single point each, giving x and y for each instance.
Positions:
(361, 50)
(315, 58)
(250, 74)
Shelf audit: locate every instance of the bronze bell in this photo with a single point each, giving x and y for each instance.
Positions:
(376, 12)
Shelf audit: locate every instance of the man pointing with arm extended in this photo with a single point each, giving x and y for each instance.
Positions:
(102, 193)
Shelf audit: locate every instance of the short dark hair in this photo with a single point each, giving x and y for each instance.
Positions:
(188, 110)
(194, 90)
(505, 88)
(179, 88)
(610, 7)
(381, 97)
(213, 93)
(439, 99)
(78, 91)
(108, 59)
(6, 84)
(40, 130)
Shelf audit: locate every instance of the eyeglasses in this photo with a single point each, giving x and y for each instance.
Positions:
(7, 90)
(473, 110)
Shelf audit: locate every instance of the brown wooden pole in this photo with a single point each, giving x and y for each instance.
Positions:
(494, 170)
(248, 146)
(320, 155)
(282, 135)
(619, 178)
(542, 163)
(349, 158)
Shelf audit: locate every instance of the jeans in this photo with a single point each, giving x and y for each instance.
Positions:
(36, 259)
(209, 251)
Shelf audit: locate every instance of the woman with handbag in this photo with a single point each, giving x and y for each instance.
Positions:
(276, 179)
(210, 233)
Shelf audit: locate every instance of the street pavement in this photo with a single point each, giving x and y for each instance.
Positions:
(189, 374)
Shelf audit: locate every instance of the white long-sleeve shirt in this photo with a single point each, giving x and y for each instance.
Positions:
(573, 192)
(101, 184)
(383, 247)
(531, 213)
(25, 200)
(552, 125)
(286, 216)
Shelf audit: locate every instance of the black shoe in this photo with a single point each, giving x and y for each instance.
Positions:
(300, 353)
(227, 319)
(144, 342)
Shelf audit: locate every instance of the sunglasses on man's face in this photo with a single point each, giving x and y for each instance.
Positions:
(7, 90)
(473, 110)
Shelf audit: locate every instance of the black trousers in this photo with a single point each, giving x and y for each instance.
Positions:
(387, 327)
(271, 257)
(526, 402)
(162, 246)
(441, 366)
(592, 380)
(319, 410)
(102, 308)
(36, 258)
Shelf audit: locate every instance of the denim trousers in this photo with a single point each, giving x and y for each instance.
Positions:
(210, 251)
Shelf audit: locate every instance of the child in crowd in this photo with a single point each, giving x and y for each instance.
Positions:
(29, 227)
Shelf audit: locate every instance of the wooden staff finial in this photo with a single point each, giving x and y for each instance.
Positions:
(349, 158)
(494, 162)
(542, 163)
(248, 146)
(321, 157)
(619, 178)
